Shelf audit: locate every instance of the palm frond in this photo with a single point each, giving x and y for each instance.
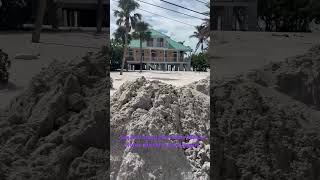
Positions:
(116, 13)
(138, 16)
(119, 22)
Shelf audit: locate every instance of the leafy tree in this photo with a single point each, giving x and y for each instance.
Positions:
(288, 15)
(116, 53)
(199, 62)
(128, 18)
(119, 35)
(142, 33)
(14, 13)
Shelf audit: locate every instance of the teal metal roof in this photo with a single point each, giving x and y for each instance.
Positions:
(176, 45)
(135, 43)
(157, 34)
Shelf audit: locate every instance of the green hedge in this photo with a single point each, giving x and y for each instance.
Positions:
(199, 62)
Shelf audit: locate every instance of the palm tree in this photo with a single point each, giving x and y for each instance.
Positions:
(142, 33)
(42, 5)
(203, 31)
(128, 18)
(206, 24)
(119, 35)
(200, 36)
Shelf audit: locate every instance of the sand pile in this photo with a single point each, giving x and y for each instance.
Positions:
(143, 107)
(266, 124)
(58, 128)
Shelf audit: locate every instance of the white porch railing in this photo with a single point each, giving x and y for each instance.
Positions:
(158, 59)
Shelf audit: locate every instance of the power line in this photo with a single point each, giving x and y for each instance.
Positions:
(201, 1)
(162, 16)
(183, 7)
(170, 9)
(166, 17)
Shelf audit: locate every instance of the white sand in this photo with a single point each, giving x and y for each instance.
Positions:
(176, 78)
(234, 52)
(231, 53)
(60, 46)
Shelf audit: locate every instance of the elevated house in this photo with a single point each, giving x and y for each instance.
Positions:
(74, 13)
(159, 53)
(233, 15)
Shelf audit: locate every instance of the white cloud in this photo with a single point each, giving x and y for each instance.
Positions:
(177, 31)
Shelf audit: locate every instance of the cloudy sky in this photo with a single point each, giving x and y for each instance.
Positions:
(177, 31)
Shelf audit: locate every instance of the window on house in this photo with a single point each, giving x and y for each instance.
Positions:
(165, 43)
(175, 56)
(181, 55)
(130, 52)
(165, 56)
(150, 42)
(160, 42)
(143, 55)
(153, 55)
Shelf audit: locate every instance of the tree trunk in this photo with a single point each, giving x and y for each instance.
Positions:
(125, 45)
(202, 45)
(53, 14)
(39, 20)
(140, 53)
(99, 16)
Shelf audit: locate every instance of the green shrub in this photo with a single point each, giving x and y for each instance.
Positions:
(199, 62)
(116, 54)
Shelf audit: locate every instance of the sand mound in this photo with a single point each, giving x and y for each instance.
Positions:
(148, 108)
(57, 129)
(265, 124)
(298, 77)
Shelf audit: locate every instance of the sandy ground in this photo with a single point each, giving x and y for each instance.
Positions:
(60, 46)
(177, 78)
(236, 52)
(233, 53)
(230, 53)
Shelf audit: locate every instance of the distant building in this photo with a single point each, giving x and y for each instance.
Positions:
(74, 13)
(232, 15)
(159, 53)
